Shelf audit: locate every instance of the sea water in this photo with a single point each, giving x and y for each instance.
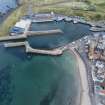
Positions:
(34, 79)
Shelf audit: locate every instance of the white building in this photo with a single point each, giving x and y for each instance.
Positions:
(23, 23)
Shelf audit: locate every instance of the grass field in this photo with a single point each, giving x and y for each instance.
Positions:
(91, 10)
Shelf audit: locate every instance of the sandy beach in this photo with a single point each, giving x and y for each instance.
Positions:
(85, 98)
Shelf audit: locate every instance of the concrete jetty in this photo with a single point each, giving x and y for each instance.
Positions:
(46, 32)
(8, 38)
(30, 33)
(42, 20)
(46, 17)
(29, 49)
(47, 52)
(14, 44)
(92, 24)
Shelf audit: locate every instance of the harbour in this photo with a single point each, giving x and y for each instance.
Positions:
(35, 59)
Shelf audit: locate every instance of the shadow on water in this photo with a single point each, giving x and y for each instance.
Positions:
(5, 86)
(50, 96)
(47, 100)
(19, 52)
(54, 97)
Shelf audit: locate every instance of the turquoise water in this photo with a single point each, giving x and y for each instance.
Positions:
(27, 79)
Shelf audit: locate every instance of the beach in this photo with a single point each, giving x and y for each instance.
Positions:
(84, 98)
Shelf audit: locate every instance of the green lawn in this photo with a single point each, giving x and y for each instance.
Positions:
(97, 1)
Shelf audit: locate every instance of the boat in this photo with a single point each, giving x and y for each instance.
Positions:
(68, 19)
(59, 18)
(75, 21)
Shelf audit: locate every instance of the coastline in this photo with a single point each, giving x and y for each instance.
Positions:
(84, 95)
(78, 81)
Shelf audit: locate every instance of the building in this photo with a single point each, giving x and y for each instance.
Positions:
(20, 27)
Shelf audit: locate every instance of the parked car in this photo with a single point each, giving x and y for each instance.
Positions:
(16, 31)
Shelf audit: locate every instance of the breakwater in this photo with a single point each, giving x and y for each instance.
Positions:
(30, 33)
(46, 32)
(29, 49)
(8, 38)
